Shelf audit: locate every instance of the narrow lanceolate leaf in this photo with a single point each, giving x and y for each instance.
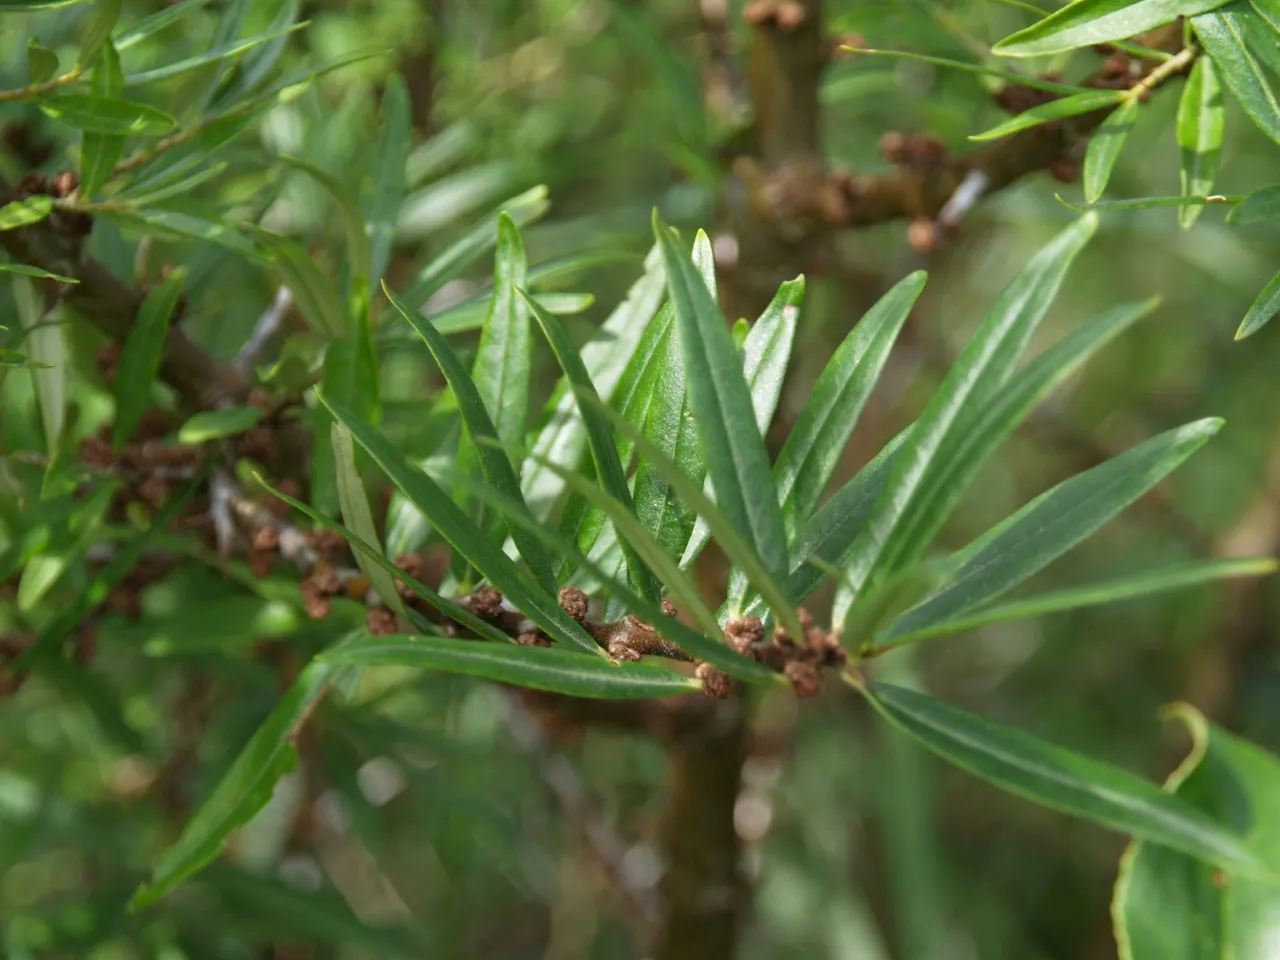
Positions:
(107, 115)
(721, 405)
(1052, 524)
(538, 668)
(357, 250)
(46, 346)
(184, 226)
(766, 352)
(141, 356)
(25, 270)
(604, 453)
(1059, 778)
(1104, 148)
(1266, 306)
(359, 518)
(1147, 203)
(1200, 130)
(223, 51)
(815, 444)
(466, 538)
(100, 152)
(494, 463)
(1088, 22)
(155, 22)
(1073, 598)
(216, 424)
(1222, 34)
(1169, 906)
(244, 789)
(22, 213)
(1261, 206)
(938, 460)
(1059, 109)
(100, 24)
(391, 154)
(313, 290)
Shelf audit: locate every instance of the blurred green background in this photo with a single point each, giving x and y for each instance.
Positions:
(437, 834)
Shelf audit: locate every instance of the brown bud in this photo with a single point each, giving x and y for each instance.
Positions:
(314, 600)
(260, 562)
(715, 685)
(486, 603)
(669, 609)
(806, 679)
(893, 147)
(922, 234)
(575, 603)
(326, 579)
(33, 182)
(533, 639)
(1065, 169)
(742, 634)
(64, 184)
(265, 538)
(380, 621)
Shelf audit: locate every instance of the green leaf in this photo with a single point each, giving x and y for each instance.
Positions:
(22, 213)
(502, 366)
(1268, 11)
(1200, 129)
(942, 455)
(150, 25)
(1058, 778)
(29, 6)
(721, 404)
(1144, 203)
(1052, 524)
(1222, 34)
(1261, 206)
(246, 786)
(223, 51)
(357, 250)
(1105, 146)
(465, 536)
(42, 63)
(46, 345)
(1265, 306)
(1017, 79)
(143, 350)
(313, 290)
(101, 23)
(140, 195)
(471, 313)
(388, 175)
(21, 269)
(1088, 22)
(100, 152)
(1059, 109)
(766, 352)
(262, 59)
(215, 424)
(493, 462)
(600, 440)
(107, 115)
(539, 668)
(815, 444)
(1090, 595)
(1168, 906)
(359, 518)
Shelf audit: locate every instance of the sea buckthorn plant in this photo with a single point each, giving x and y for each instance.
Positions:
(329, 555)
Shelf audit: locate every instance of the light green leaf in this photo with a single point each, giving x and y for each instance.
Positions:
(1088, 22)
(1222, 34)
(357, 250)
(1169, 906)
(1261, 206)
(391, 153)
(21, 269)
(1052, 524)
(215, 424)
(1200, 129)
(107, 115)
(22, 213)
(313, 290)
(1058, 778)
(1072, 598)
(494, 463)
(502, 365)
(223, 51)
(139, 195)
(721, 404)
(42, 63)
(1105, 146)
(359, 518)
(556, 671)
(46, 346)
(184, 226)
(1265, 306)
(101, 23)
(143, 350)
(150, 25)
(466, 538)
(100, 152)
(1059, 109)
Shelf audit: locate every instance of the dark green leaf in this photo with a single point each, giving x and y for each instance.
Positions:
(1105, 146)
(313, 290)
(1058, 778)
(100, 152)
(140, 359)
(1222, 34)
(1200, 129)
(101, 23)
(1265, 306)
(106, 115)
(1059, 109)
(471, 313)
(22, 213)
(185, 226)
(214, 424)
(224, 51)
(465, 536)
(357, 250)
(42, 63)
(1144, 203)
(1088, 22)
(46, 345)
(1261, 206)
(359, 518)
(150, 25)
(23, 270)
(502, 366)
(388, 175)
(557, 671)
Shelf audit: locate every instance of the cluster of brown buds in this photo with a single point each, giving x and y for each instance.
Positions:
(800, 660)
(149, 468)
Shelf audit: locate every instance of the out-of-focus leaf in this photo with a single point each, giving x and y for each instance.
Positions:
(1261, 206)
(1084, 23)
(225, 51)
(471, 314)
(23, 270)
(46, 345)
(487, 557)
(1059, 109)
(313, 290)
(214, 424)
(180, 159)
(184, 226)
(1145, 203)
(110, 115)
(387, 175)
(1109, 591)
(359, 518)
(1169, 906)
(152, 24)
(494, 463)
(22, 213)
(140, 196)
(1105, 146)
(42, 63)
(1222, 34)
(140, 359)
(100, 152)
(357, 250)
(1018, 79)
(1200, 129)
(1264, 307)
(101, 23)
(721, 404)
(557, 671)
(1058, 778)
(1052, 524)
(45, 568)
(29, 6)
